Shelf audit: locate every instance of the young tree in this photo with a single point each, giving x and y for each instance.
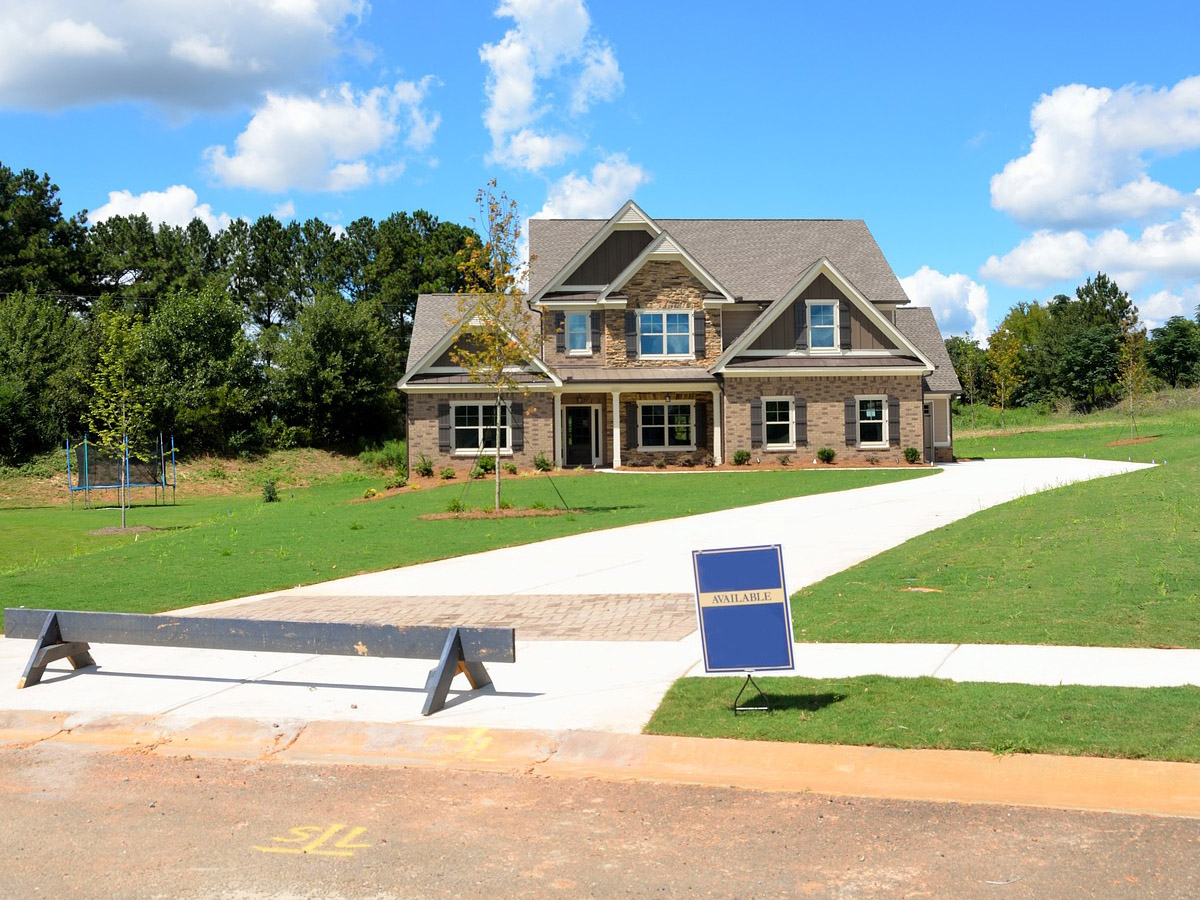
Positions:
(1004, 350)
(499, 333)
(119, 415)
(1132, 374)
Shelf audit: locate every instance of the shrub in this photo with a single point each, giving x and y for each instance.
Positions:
(660, 462)
(541, 463)
(476, 473)
(912, 455)
(539, 504)
(687, 462)
(510, 468)
(389, 455)
(455, 506)
(506, 504)
(270, 492)
(785, 460)
(741, 457)
(486, 464)
(446, 473)
(826, 455)
(872, 460)
(423, 466)
(396, 481)
(708, 460)
(369, 493)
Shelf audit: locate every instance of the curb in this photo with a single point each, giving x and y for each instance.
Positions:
(1143, 787)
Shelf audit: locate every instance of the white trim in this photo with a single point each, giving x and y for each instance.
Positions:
(791, 422)
(858, 422)
(630, 216)
(587, 334)
(856, 297)
(666, 426)
(665, 247)
(873, 354)
(827, 371)
(835, 348)
(470, 388)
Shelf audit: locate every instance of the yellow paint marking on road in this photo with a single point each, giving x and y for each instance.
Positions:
(314, 837)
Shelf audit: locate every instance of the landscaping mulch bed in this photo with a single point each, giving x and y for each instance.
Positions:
(1125, 442)
(498, 514)
(132, 529)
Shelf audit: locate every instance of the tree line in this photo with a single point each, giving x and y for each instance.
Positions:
(1089, 351)
(256, 335)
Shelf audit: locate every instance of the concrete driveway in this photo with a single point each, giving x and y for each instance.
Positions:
(638, 577)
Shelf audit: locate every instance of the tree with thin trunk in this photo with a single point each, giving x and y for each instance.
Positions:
(1004, 349)
(498, 333)
(1132, 372)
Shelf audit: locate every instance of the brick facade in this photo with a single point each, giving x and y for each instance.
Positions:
(634, 458)
(423, 429)
(825, 397)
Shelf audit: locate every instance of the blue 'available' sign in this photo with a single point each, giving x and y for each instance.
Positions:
(745, 619)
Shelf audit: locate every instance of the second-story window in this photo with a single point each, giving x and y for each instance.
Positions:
(665, 333)
(579, 333)
(822, 326)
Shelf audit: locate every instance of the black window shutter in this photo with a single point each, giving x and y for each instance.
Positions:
(516, 426)
(800, 314)
(756, 422)
(801, 421)
(631, 424)
(597, 319)
(851, 422)
(844, 321)
(560, 332)
(701, 424)
(631, 348)
(443, 412)
(894, 421)
(698, 348)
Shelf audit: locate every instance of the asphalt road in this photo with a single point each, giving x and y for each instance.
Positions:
(129, 825)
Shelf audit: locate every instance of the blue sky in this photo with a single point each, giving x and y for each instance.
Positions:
(999, 152)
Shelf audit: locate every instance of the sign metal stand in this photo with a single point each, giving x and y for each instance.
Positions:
(744, 615)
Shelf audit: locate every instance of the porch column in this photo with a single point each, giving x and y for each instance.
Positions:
(616, 437)
(716, 395)
(558, 429)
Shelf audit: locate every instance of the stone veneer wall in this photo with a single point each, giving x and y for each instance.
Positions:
(661, 285)
(423, 429)
(825, 396)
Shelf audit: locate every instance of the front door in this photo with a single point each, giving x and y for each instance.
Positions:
(578, 435)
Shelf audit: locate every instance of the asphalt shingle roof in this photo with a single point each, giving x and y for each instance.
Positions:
(919, 326)
(755, 259)
(432, 319)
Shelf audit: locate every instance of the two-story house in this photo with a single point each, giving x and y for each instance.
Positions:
(688, 340)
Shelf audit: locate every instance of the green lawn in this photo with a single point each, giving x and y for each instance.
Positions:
(218, 548)
(1111, 562)
(1150, 723)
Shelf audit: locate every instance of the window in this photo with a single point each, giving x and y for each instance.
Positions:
(665, 333)
(822, 326)
(872, 420)
(579, 333)
(667, 426)
(475, 427)
(778, 422)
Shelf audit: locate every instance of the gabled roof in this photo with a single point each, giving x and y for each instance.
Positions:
(667, 248)
(630, 215)
(755, 259)
(784, 301)
(919, 326)
(437, 321)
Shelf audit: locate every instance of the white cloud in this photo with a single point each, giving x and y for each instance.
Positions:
(1169, 250)
(1087, 166)
(1155, 309)
(285, 211)
(338, 140)
(959, 304)
(177, 206)
(598, 196)
(175, 53)
(550, 43)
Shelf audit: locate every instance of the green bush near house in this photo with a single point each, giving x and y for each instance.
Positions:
(912, 455)
(741, 457)
(826, 455)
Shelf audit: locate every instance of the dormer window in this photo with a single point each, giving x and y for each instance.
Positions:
(822, 325)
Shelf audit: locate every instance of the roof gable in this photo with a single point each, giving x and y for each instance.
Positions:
(665, 248)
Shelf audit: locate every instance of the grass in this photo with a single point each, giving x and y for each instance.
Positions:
(1136, 723)
(1110, 562)
(216, 548)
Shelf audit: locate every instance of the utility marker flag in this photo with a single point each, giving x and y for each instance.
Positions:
(742, 604)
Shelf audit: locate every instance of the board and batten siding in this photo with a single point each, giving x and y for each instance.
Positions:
(781, 334)
(610, 259)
